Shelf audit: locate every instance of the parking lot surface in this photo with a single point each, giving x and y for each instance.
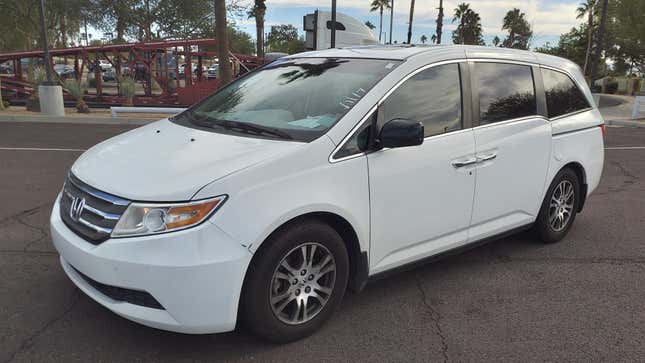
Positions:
(510, 300)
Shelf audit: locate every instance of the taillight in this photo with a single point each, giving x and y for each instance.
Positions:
(602, 127)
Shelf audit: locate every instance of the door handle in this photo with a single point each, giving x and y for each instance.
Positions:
(485, 157)
(464, 162)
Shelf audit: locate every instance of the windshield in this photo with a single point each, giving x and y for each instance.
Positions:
(298, 99)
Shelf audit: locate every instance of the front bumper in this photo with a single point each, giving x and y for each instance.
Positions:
(195, 274)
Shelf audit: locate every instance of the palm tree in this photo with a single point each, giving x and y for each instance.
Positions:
(257, 11)
(601, 34)
(225, 74)
(460, 15)
(380, 5)
(370, 25)
(519, 30)
(437, 37)
(469, 30)
(424, 39)
(587, 8)
(410, 23)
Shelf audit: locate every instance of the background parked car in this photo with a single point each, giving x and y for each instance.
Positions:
(212, 71)
(64, 71)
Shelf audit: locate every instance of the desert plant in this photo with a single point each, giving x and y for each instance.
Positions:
(36, 77)
(77, 90)
(91, 82)
(127, 89)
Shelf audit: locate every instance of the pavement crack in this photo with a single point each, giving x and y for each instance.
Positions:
(28, 342)
(435, 317)
(26, 212)
(41, 231)
(30, 252)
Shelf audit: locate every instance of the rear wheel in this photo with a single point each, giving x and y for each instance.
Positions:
(559, 207)
(296, 282)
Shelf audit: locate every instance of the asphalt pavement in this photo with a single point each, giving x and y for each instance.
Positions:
(510, 300)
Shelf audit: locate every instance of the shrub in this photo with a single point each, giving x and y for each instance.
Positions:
(611, 87)
(127, 89)
(77, 90)
(91, 82)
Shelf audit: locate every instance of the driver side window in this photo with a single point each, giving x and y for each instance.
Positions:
(432, 97)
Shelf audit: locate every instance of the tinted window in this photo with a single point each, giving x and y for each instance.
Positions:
(562, 95)
(432, 97)
(505, 91)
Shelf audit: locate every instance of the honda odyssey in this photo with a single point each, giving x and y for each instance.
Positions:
(263, 203)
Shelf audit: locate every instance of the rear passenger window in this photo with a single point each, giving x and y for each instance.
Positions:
(432, 97)
(506, 91)
(562, 94)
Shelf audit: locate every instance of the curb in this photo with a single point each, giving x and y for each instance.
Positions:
(77, 120)
(628, 123)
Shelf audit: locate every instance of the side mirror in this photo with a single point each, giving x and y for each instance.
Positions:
(400, 132)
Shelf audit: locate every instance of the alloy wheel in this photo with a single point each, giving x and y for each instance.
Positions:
(302, 283)
(561, 205)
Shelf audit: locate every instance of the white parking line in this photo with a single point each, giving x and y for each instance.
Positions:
(39, 149)
(625, 148)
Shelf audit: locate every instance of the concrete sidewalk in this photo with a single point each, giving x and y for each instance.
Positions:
(97, 117)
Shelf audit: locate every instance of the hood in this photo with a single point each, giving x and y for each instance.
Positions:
(164, 161)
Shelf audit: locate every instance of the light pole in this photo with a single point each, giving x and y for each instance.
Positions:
(50, 94)
(391, 20)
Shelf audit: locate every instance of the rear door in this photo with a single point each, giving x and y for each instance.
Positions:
(512, 143)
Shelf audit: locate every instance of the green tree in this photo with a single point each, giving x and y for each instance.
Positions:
(258, 11)
(185, 19)
(380, 5)
(20, 23)
(496, 41)
(571, 45)
(469, 30)
(519, 30)
(284, 38)
(626, 34)
(424, 39)
(370, 25)
(113, 16)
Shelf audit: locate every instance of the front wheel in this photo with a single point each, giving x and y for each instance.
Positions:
(296, 282)
(559, 207)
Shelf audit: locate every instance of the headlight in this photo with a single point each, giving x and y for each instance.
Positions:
(151, 218)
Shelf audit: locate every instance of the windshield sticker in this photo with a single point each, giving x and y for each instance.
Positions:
(352, 99)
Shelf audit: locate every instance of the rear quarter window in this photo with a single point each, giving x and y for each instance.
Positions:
(562, 94)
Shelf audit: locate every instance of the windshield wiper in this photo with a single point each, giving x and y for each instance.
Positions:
(252, 128)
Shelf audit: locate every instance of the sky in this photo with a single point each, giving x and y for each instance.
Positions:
(549, 18)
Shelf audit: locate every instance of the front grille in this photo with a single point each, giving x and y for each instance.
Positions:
(135, 297)
(99, 211)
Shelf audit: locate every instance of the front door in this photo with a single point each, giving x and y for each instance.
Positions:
(421, 197)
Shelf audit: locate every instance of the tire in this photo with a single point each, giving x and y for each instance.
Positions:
(551, 226)
(269, 279)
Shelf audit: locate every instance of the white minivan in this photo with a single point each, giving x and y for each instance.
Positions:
(265, 202)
